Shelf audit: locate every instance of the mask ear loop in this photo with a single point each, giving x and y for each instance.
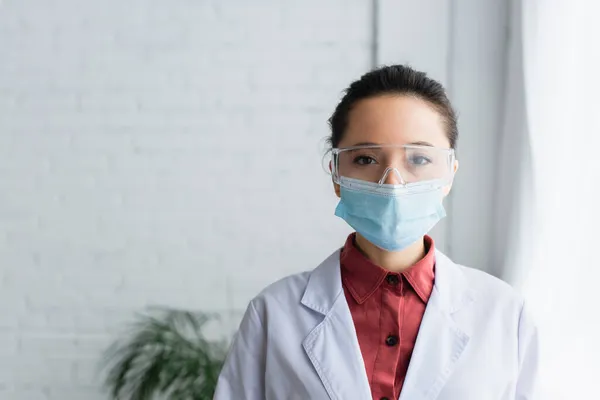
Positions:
(387, 171)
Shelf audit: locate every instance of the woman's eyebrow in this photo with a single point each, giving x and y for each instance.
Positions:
(421, 144)
(367, 144)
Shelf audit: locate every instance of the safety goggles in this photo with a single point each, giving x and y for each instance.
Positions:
(398, 164)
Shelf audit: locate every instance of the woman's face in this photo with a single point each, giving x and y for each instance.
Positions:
(397, 120)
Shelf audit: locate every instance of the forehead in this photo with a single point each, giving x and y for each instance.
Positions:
(394, 119)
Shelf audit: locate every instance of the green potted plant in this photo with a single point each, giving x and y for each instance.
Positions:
(165, 356)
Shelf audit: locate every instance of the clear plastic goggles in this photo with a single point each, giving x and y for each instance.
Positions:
(397, 164)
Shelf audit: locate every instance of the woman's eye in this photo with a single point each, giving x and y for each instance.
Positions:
(364, 160)
(419, 160)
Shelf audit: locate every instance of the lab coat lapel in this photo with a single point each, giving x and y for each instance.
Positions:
(441, 340)
(332, 346)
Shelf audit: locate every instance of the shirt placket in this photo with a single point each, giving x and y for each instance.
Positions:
(384, 373)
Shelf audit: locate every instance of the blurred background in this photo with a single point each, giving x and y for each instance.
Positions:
(170, 153)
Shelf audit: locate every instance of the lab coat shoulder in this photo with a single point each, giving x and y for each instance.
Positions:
(485, 291)
(496, 297)
(488, 288)
(274, 325)
(283, 293)
(281, 301)
(498, 307)
(497, 294)
(274, 315)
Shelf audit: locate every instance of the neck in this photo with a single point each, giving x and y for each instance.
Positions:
(395, 261)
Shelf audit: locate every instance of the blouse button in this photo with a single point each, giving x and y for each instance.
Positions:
(392, 279)
(391, 340)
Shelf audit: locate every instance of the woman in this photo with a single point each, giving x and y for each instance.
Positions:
(387, 316)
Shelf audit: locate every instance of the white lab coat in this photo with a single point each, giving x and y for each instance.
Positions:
(297, 341)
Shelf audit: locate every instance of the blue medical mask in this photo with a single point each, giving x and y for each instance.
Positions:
(391, 217)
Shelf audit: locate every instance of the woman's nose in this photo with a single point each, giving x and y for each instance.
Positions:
(391, 176)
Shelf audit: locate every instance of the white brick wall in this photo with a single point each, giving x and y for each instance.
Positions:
(157, 152)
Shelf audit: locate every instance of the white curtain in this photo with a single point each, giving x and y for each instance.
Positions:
(514, 200)
(548, 212)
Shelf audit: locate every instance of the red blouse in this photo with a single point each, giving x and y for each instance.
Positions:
(387, 309)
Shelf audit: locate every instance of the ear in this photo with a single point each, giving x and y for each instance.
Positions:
(336, 187)
(337, 190)
(449, 187)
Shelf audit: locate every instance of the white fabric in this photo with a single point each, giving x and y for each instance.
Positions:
(297, 341)
(514, 198)
(561, 64)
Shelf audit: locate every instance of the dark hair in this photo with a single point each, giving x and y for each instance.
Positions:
(393, 80)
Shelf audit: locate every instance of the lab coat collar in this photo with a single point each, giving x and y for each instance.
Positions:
(332, 346)
(324, 285)
(334, 351)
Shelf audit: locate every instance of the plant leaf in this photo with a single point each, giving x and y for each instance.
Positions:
(165, 354)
